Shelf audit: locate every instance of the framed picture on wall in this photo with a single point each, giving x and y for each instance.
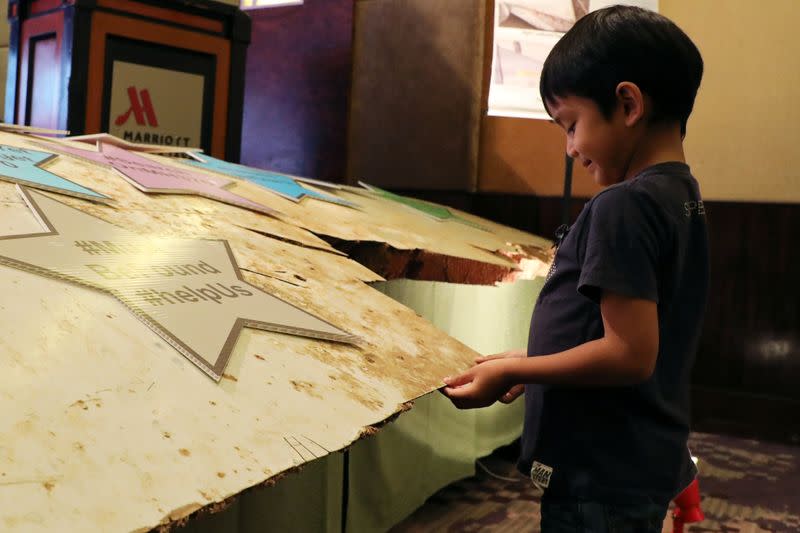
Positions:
(524, 33)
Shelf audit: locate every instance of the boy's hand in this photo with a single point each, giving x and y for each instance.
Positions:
(514, 392)
(481, 385)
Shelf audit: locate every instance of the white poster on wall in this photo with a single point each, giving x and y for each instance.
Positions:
(524, 33)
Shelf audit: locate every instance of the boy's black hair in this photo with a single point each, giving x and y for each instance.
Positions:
(625, 43)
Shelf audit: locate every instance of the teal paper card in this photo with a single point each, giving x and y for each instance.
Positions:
(22, 165)
(278, 183)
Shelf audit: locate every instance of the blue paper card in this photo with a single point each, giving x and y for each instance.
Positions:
(278, 183)
(22, 165)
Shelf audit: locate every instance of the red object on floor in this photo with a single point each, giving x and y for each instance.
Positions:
(687, 507)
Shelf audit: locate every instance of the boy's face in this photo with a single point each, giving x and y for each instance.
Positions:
(603, 146)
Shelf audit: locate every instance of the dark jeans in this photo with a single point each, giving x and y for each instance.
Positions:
(588, 517)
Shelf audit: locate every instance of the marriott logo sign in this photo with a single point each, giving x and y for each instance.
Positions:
(144, 116)
(141, 107)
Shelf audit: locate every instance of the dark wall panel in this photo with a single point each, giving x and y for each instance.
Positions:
(754, 317)
(297, 88)
(747, 375)
(415, 112)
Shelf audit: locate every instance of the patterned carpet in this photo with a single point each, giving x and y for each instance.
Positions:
(747, 486)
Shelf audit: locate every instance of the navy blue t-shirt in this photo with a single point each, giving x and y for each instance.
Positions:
(644, 238)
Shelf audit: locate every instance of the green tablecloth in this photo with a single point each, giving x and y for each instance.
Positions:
(434, 444)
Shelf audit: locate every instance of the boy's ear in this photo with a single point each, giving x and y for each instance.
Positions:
(631, 100)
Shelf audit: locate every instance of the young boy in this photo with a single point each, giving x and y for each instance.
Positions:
(616, 325)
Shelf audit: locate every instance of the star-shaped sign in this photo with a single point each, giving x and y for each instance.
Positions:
(436, 212)
(189, 291)
(281, 184)
(24, 166)
(151, 176)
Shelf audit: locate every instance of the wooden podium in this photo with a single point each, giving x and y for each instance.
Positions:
(152, 71)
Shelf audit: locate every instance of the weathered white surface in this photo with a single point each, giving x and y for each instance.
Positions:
(106, 427)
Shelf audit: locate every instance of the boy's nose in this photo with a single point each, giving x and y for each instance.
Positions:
(571, 151)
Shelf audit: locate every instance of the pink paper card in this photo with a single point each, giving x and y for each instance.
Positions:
(153, 177)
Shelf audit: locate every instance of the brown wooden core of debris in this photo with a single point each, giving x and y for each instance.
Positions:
(423, 265)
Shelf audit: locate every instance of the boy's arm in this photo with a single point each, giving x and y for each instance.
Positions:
(625, 355)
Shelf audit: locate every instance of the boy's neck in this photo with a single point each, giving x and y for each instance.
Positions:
(659, 143)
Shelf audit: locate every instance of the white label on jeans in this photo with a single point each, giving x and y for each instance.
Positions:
(540, 475)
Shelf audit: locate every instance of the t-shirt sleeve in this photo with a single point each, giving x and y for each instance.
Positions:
(624, 242)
